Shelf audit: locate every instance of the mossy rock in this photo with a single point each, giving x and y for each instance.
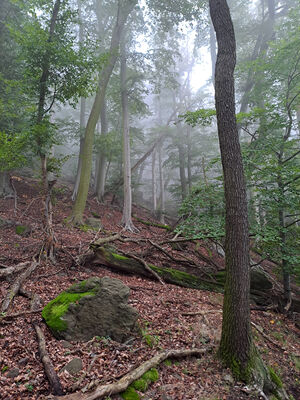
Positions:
(94, 307)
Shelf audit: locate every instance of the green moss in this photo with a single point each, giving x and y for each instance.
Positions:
(186, 280)
(140, 384)
(168, 363)
(275, 378)
(57, 307)
(151, 375)
(119, 257)
(130, 394)
(21, 229)
(84, 227)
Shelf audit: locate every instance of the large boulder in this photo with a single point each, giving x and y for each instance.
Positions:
(95, 307)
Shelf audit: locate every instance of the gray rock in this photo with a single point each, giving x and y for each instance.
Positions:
(102, 310)
(23, 361)
(73, 367)
(260, 280)
(94, 222)
(66, 345)
(13, 373)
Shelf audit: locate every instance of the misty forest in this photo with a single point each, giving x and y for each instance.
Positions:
(149, 199)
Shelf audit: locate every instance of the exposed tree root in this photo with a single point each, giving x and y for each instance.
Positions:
(20, 314)
(16, 286)
(121, 385)
(12, 270)
(36, 301)
(55, 385)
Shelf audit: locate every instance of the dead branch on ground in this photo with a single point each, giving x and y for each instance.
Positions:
(121, 385)
(11, 270)
(16, 286)
(55, 385)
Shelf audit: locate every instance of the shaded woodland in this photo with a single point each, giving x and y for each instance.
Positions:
(156, 143)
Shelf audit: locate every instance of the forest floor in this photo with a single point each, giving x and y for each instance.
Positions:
(163, 313)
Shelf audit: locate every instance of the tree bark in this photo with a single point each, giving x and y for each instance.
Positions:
(102, 160)
(5, 185)
(123, 12)
(236, 347)
(82, 114)
(127, 206)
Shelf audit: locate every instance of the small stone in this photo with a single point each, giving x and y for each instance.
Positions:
(23, 361)
(228, 378)
(13, 373)
(65, 344)
(74, 366)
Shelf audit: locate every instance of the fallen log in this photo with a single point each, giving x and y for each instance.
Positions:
(16, 286)
(262, 289)
(168, 275)
(55, 385)
(121, 385)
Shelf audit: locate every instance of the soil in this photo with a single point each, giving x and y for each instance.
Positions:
(165, 311)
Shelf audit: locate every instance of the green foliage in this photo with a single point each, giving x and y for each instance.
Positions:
(12, 151)
(203, 212)
(202, 117)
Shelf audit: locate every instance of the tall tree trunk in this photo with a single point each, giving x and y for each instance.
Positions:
(6, 189)
(127, 206)
(236, 348)
(81, 143)
(49, 242)
(82, 114)
(102, 160)
(154, 183)
(161, 188)
(213, 51)
(124, 9)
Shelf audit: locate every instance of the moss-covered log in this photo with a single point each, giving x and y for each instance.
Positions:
(169, 275)
(261, 289)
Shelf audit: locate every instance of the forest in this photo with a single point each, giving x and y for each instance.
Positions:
(150, 199)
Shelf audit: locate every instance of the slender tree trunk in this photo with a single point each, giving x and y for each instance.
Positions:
(154, 183)
(236, 347)
(49, 241)
(127, 206)
(82, 127)
(124, 10)
(161, 188)
(102, 160)
(82, 114)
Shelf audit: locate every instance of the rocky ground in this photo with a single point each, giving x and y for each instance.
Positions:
(171, 317)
